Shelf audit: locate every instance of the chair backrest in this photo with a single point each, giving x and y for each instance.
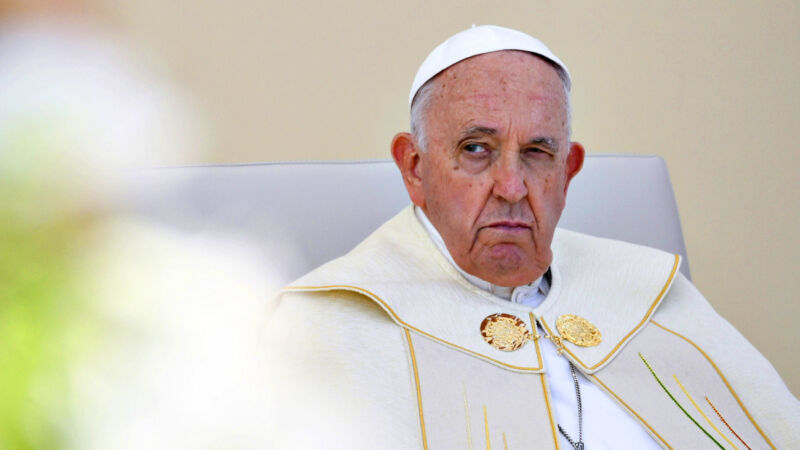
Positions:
(305, 213)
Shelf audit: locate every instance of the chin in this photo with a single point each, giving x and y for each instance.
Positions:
(513, 271)
(514, 280)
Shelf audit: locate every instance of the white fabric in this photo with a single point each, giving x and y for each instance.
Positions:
(349, 326)
(475, 41)
(606, 425)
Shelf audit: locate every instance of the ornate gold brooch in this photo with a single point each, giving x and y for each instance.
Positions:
(578, 330)
(505, 332)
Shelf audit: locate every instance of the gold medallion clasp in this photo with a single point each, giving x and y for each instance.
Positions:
(578, 330)
(505, 332)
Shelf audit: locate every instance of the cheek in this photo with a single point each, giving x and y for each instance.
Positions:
(542, 184)
(461, 200)
(547, 196)
(548, 183)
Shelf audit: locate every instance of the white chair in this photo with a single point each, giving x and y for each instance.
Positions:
(305, 213)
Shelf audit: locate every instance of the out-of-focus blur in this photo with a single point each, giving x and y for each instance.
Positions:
(113, 329)
(115, 332)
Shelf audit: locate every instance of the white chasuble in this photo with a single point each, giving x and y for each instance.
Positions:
(382, 348)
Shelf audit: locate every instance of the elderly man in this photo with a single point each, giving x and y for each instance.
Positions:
(469, 320)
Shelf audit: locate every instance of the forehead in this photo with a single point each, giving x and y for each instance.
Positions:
(504, 87)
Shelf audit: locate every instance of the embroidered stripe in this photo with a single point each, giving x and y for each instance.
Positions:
(726, 424)
(722, 377)
(549, 410)
(466, 413)
(486, 426)
(678, 403)
(403, 324)
(697, 407)
(419, 391)
(652, 430)
(639, 325)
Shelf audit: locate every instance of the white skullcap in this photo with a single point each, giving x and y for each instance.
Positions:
(476, 41)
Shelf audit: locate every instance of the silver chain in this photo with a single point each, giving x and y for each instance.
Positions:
(576, 445)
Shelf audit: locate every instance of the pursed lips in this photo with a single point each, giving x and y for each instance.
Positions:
(509, 225)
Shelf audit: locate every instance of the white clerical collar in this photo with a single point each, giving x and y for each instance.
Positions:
(531, 294)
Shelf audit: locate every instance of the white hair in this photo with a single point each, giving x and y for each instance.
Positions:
(422, 100)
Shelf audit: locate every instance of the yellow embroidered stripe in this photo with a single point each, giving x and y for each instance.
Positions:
(536, 339)
(724, 380)
(549, 411)
(397, 318)
(466, 413)
(632, 411)
(486, 428)
(650, 310)
(697, 407)
(419, 391)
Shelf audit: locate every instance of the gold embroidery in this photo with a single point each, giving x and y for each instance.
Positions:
(486, 427)
(505, 332)
(391, 312)
(724, 380)
(632, 411)
(536, 338)
(466, 412)
(578, 330)
(505, 443)
(419, 391)
(549, 411)
(630, 333)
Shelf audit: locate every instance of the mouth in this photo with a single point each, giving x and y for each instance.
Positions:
(509, 226)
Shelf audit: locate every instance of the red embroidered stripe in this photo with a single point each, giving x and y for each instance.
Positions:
(726, 424)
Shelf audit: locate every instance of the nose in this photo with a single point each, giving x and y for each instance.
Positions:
(509, 180)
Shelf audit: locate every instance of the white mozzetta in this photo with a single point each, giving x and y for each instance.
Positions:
(381, 349)
(606, 425)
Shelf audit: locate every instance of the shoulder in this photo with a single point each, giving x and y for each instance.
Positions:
(325, 308)
(570, 245)
(337, 360)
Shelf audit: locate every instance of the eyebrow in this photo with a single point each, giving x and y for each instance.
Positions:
(547, 142)
(471, 131)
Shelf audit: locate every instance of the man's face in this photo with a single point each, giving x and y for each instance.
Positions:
(494, 176)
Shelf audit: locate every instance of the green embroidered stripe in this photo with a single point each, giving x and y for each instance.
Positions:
(678, 403)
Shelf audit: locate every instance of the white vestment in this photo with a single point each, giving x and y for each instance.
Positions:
(597, 421)
(382, 349)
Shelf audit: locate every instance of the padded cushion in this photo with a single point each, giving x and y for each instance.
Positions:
(305, 213)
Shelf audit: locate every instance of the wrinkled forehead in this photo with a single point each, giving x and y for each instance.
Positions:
(498, 86)
(504, 68)
(483, 62)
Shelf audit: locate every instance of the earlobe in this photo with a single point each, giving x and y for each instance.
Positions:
(406, 156)
(574, 162)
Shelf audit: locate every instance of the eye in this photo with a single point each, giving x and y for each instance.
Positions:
(475, 149)
(536, 151)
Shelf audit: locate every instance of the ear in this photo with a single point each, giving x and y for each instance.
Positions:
(407, 156)
(574, 162)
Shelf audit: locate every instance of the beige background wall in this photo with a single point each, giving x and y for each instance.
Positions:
(712, 87)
